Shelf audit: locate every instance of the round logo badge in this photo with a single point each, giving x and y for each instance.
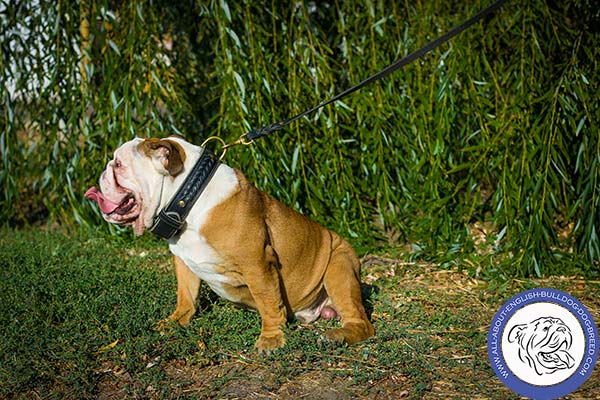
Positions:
(543, 344)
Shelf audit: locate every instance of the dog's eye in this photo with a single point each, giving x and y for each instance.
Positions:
(117, 164)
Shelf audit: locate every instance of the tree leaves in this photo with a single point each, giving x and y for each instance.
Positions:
(499, 126)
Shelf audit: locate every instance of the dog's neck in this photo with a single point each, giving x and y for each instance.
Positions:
(170, 219)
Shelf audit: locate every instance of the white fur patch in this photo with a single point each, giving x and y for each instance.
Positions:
(192, 247)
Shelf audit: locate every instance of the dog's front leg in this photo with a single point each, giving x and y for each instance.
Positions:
(265, 287)
(188, 286)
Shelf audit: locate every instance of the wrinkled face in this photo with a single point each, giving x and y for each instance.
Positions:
(132, 183)
(544, 343)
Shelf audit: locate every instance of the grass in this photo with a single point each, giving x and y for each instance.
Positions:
(77, 313)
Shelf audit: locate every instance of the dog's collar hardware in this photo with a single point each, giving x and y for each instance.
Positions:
(171, 219)
(224, 146)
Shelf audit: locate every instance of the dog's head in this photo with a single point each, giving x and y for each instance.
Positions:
(132, 185)
(544, 344)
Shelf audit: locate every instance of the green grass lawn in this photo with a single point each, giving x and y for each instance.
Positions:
(77, 316)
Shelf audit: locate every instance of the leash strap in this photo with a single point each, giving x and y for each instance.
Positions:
(171, 219)
(260, 132)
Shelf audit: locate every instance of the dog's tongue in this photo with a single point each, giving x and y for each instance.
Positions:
(105, 204)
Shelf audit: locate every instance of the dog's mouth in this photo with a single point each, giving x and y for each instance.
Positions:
(110, 208)
(125, 206)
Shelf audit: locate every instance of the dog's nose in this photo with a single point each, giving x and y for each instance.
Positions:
(561, 329)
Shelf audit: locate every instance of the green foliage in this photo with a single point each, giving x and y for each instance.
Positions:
(499, 126)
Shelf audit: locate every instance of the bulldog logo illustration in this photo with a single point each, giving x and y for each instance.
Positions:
(544, 344)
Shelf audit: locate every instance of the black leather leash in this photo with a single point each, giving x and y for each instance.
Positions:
(171, 219)
(249, 137)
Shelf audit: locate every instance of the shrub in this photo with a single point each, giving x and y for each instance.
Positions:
(499, 126)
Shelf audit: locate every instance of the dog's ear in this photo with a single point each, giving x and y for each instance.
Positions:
(168, 152)
(516, 333)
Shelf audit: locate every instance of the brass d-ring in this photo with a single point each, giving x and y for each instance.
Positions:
(223, 144)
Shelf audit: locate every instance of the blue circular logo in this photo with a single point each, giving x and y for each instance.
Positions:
(543, 344)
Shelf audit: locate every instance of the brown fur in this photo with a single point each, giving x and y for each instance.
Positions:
(172, 153)
(284, 260)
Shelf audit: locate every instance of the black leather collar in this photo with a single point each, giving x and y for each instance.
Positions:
(171, 219)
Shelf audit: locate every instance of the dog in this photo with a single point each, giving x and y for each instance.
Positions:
(544, 344)
(248, 247)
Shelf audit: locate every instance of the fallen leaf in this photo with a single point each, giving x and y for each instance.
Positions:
(108, 346)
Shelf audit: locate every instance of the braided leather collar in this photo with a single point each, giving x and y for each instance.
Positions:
(171, 219)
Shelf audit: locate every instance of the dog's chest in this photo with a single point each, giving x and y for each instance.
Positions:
(193, 249)
(202, 260)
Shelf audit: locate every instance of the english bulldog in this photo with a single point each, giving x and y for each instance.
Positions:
(248, 247)
(544, 344)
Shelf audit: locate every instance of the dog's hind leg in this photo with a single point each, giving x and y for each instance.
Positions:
(342, 284)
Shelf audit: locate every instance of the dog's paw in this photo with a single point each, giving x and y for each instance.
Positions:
(336, 335)
(164, 326)
(350, 333)
(175, 320)
(266, 344)
(183, 317)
